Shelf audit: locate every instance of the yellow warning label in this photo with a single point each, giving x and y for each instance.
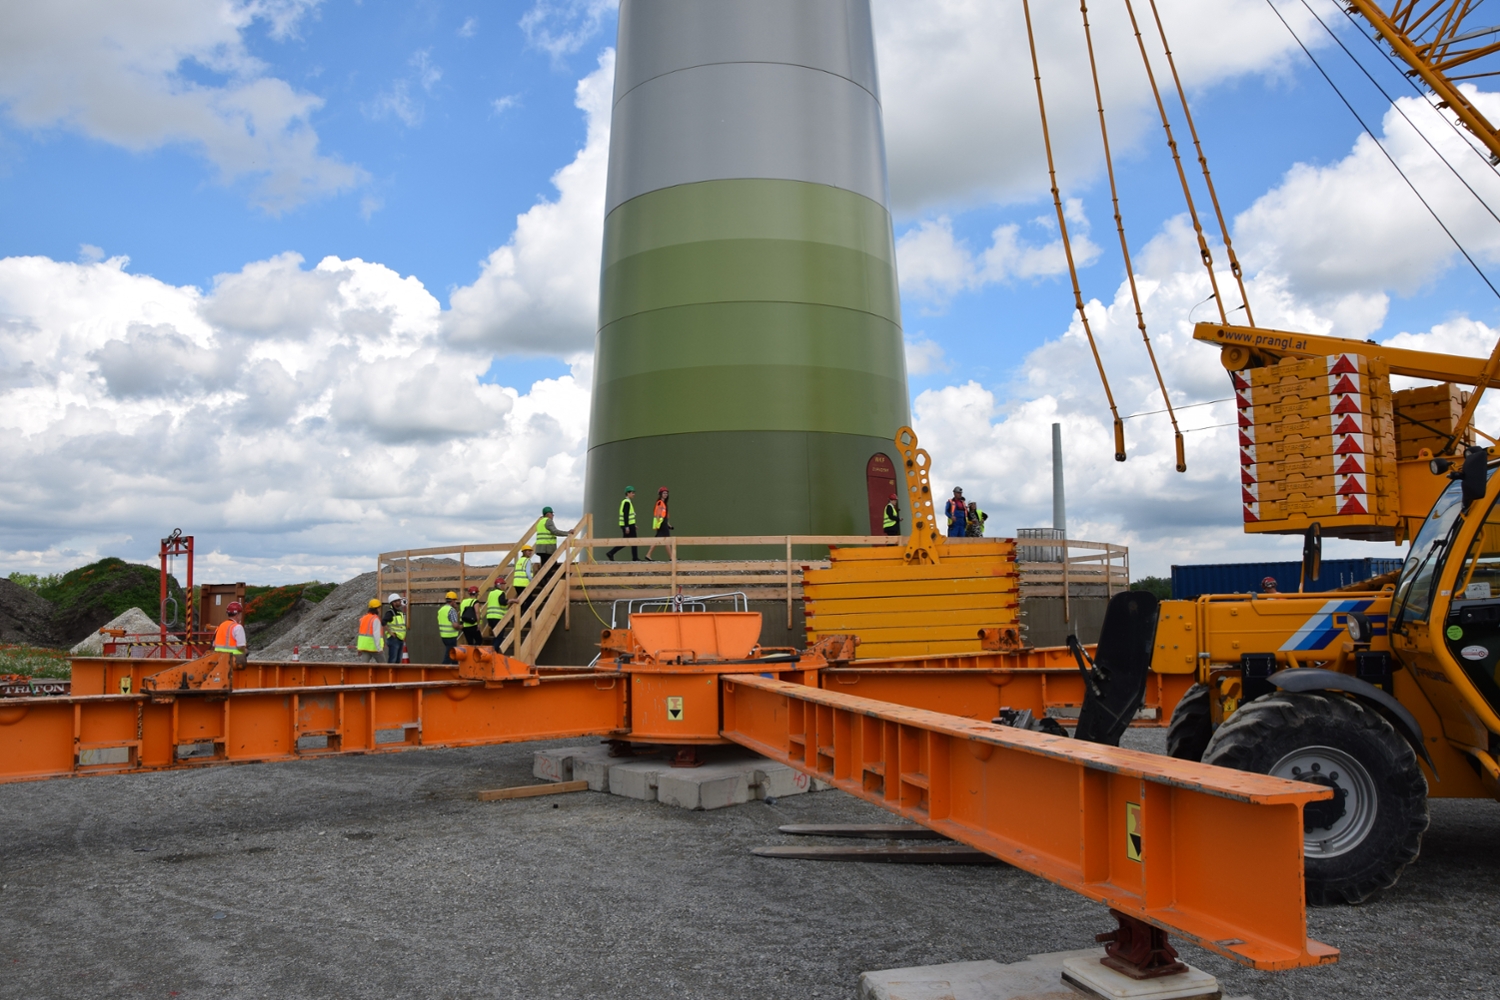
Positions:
(674, 709)
(125, 684)
(1133, 831)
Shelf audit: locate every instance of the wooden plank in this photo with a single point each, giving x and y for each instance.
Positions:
(923, 854)
(980, 585)
(864, 831)
(913, 630)
(860, 622)
(531, 791)
(905, 603)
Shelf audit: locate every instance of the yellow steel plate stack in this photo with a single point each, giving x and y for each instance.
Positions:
(900, 609)
(1425, 418)
(1317, 444)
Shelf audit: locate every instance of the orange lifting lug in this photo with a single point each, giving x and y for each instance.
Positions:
(213, 672)
(475, 663)
(838, 650)
(1006, 639)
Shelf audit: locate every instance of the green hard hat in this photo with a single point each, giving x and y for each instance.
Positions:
(630, 489)
(546, 510)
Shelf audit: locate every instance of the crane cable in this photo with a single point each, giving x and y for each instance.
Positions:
(1062, 224)
(1492, 366)
(1114, 194)
(1234, 261)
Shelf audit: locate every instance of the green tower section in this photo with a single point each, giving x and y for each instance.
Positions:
(749, 354)
(749, 357)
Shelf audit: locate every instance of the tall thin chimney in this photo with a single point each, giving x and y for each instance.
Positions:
(1059, 506)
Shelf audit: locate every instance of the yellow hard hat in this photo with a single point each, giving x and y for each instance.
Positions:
(374, 603)
(527, 548)
(451, 596)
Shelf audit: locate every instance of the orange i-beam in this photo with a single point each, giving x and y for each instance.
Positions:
(1144, 834)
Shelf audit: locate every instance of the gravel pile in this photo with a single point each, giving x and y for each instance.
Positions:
(134, 621)
(25, 617)
(333, 621)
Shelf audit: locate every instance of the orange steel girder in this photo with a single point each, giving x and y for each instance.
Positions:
(1146, 835)
(288, 711)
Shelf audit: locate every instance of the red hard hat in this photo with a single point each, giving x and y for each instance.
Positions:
(235, 607)
(662, 489)
(895, 496)
(473, 590)
(1269, 581)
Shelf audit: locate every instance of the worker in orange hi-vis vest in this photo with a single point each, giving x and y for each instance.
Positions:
(371, 641)
(230, 636)
(660, 520)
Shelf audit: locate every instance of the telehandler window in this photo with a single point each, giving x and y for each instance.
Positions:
(1472, 629)
(1414, 589)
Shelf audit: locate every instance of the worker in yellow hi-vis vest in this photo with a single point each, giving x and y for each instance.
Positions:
(394, 620)
(627, 526)
(448, 627)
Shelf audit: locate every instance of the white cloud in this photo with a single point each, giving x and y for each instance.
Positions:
(960, 108)
(1305, 227)
(469, 28)
(116, 75)
(539, 292)
(925, 356)
(562, 27)
(301, 418)
(934, 265)
(500, 105)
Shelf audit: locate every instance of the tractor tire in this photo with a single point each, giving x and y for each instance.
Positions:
(1356, 844)
(1191, 727)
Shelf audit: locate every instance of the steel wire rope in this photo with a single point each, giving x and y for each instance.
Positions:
(1114, 195)
(1420, 134)
(1187, 194)
(1492, 365)
(1213, 194)
(1463, 133)
(1381, 146)
(1062, 224)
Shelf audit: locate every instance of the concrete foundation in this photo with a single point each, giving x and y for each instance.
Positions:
(731, 776)
(1040, 977)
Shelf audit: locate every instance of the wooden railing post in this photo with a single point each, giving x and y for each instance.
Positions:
(789, 583)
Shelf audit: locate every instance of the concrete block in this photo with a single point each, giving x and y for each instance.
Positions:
(1094, 979)
(636, 779)
(1040, 977)
(556, 764)
(594, 769)
(712, 786)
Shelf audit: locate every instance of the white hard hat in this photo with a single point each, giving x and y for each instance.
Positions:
(393, 599)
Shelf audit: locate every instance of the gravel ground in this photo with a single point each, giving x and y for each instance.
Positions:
(382, 876)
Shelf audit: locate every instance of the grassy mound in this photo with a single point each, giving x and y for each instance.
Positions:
(269, 604)
(92, 595)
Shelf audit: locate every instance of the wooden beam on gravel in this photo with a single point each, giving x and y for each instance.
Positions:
(531, 791)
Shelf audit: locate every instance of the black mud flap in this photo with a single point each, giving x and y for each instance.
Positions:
(1115, 680)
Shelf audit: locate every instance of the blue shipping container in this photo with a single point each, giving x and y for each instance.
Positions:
(1245, 578)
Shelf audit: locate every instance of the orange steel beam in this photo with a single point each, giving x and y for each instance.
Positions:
(974, 685)
(979, 693)
(1146, 835)
(288, 711)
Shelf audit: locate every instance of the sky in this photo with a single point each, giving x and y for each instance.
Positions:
(314, 279)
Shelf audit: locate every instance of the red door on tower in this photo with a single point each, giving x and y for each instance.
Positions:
(880, 481)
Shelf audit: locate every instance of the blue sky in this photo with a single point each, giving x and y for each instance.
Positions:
(227, 149)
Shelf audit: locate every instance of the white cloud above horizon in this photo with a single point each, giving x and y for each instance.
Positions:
(117, 75)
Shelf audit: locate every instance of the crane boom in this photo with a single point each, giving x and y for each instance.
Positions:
(1434, 37)
(1244, 346)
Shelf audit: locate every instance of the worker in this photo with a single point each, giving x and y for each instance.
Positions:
(958, 514)
(230, 636)
(661, 521)
(627, 526)
(520, 576)
(1268, 586)
(468, 617)
(975, 520)
(448, 627)
(371, 641)
(394, 620)
(891, 520)
(547, 534)
(495, 607)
